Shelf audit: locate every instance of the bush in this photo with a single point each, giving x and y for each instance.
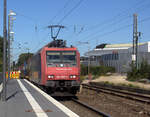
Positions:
(141, 73)
(82, 78)
(84, 70)
(96, 70)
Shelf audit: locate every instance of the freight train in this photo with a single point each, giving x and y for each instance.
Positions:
(56, 68)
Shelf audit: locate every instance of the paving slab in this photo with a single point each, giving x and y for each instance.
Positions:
(25, 100)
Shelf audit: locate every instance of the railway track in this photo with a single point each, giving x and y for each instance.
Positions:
(121, 93)
(98, 113)
(91, 108)
(83, 109)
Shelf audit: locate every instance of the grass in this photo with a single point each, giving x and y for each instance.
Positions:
(85, 77)
(82, 78)
(95, 77)
(108, 83)
(133, 86)
(121, 84)
(129, 85)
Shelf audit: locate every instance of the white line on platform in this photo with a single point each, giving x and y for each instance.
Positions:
(1, 87)
(35, 106)
(56, 103)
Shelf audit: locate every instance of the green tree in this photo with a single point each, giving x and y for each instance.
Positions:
(24, 58)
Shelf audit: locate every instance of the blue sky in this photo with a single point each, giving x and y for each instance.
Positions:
(95, 21)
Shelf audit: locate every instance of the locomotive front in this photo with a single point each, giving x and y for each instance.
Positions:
(62, 69)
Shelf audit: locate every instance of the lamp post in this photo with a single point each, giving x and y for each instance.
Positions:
(4, 51)
(10, 35)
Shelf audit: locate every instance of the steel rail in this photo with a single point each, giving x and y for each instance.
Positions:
(119, 93)
(124, 92)
(123, 88)
(91, 108)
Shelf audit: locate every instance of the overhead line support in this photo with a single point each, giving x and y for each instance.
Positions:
(4, 51)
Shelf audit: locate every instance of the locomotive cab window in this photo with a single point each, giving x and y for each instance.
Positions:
(53, 57)
(67, 58)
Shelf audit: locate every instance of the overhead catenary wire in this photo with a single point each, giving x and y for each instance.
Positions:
(36, 29)
(117, 18)
(56, 15)
(65, 16)
(40, 42)
(118, 29)
(60, 11)
(142, 8)
(129, 16)
(26, 17)
(124, 15)
(29, 18)
(102, 29)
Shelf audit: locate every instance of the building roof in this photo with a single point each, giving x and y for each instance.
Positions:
(122, 45)
(113, 48)
(118, 45)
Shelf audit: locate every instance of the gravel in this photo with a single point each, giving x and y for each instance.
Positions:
(80, 110)
(113, 105)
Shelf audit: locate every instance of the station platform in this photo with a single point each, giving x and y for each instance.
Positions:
(26, 100)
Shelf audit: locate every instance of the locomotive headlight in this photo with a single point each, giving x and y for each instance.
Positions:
(50, 76)
(73, 76)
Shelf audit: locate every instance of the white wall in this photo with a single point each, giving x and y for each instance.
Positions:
(149, 46)
(142, 48)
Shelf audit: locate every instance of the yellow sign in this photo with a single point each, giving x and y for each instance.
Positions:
(13, 74)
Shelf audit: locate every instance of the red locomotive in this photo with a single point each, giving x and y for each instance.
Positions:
(56, 68)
